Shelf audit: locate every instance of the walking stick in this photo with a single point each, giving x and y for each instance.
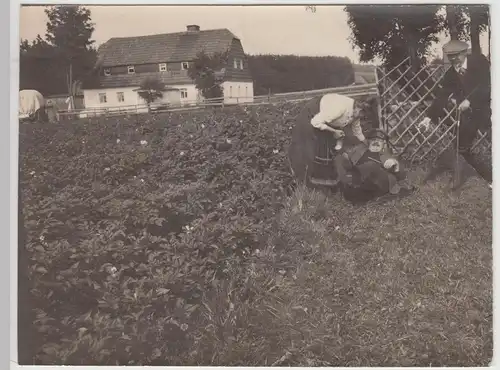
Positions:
(457, 155)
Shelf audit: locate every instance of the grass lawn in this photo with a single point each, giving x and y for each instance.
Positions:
(194, 248)
(402, 284)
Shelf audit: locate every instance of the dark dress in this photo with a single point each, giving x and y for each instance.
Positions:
(311, 152)
(302, 149)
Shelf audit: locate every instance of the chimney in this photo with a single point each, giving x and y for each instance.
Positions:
(193, 28)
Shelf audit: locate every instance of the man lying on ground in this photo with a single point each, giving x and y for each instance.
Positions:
(368, 171)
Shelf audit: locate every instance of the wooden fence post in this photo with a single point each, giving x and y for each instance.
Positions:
(381, 120)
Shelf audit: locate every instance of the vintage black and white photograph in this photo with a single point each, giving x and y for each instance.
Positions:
(255, 185)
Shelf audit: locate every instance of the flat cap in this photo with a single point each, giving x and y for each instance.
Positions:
(455, 47)
(376, 133)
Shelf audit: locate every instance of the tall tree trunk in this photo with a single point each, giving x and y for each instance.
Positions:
(489, 39)
(412, 51)
(475, 30)
(451, 19)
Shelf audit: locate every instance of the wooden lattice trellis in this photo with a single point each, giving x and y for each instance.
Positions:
(405, 96)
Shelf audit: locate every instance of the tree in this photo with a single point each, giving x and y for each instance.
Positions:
(150, 90)
(479, 19)
(69, 31)
(466, 23)
(38, 67)
(455, 22)
(394, 32)
(208, 71)
(471, 21)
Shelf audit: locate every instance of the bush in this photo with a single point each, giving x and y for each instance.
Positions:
(129, 223)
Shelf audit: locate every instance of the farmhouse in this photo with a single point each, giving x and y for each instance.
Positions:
(124, 62)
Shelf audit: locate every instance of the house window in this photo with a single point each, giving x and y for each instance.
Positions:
(246, 91)
(238, 63)
(163, 67)
(185, 65)
(131, 69)
(107, 71)
(238, 90)
(102, 98)
(120, 96)
(230, 91)
(184, 93)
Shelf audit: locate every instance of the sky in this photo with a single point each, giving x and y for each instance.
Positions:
(262, 29)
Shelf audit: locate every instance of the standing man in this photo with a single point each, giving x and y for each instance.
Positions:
(467, 83)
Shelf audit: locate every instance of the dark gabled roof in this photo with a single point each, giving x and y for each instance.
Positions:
(168, 47)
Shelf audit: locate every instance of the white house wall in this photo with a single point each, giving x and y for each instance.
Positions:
(91, 97)
(190, 93)
(237, 92)
(169, 97)
(234, 92)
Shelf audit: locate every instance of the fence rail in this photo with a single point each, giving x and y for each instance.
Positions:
(351, 90)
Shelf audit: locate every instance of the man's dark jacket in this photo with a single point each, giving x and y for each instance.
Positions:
(474, 85)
